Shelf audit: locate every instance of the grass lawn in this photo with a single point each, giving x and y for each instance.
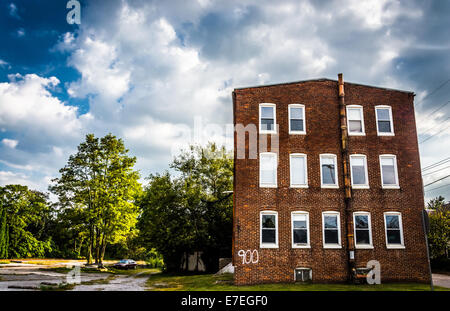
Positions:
(224, 282)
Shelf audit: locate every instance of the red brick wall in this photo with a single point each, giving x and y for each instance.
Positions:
(323, 136)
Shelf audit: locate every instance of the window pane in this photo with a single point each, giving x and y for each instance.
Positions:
(383, 114)
(355, 126)
(393, 236)
(268, 169)
(268, 236)
(296, 125)
(331, 236)
(359, 175)
(362, 237)
(388, 175)
(300, 224)
(296, 113)
(384, 126)
(298, 170)
(392, 222)
(268, 221)
(328, 174)
(267, 124)
(300, 236)
(354, 114)
(267, 112)
(362, 222)
(330, 222)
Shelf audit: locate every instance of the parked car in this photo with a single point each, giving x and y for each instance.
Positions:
(126, 264)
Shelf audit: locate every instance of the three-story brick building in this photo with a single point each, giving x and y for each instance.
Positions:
(293, 219)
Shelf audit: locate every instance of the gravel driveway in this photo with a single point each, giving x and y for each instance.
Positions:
(19, 277)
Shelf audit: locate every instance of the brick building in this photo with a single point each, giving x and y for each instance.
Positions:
(331, 181)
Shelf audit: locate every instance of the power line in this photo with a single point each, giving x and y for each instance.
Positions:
(434, 91)
(433, 182)
(439, 124)
(429, 115)
(429, 173)
(436, 164)
(433, 135)
(437, 188)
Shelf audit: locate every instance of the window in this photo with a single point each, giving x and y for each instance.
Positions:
(269, 229)
(297, 119)
(389, 175)
(355, 120)
(300, 229)
(394, 230)
(358, 166)
(298, 170)
(363, 230)
(267, 118)
(328, 171)
(385, 125)
(331, 230)
(303, 274)
(268, 169)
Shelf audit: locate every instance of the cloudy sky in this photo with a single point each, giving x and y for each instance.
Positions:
(145, 70)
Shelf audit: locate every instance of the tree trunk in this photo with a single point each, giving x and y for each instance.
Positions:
(103, 248)
(90, 246)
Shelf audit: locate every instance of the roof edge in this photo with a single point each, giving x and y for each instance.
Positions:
(321, 80)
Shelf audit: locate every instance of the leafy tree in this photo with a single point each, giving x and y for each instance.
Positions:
(100, 181)
(439, 235)
(192, 212)
(24, 215)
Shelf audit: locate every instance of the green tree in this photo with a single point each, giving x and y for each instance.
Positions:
(99, 179)
(439, 235)
(24, 215)
(192, 212)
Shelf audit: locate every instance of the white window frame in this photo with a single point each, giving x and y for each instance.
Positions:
(363, 128)
(298, 155)
(359, 186)
(274, 131)
(391, 133)
(307, 245)
(274, 185)
(389, 186)
(400, 223)
(333, 213)
(363, 246)
(268, 245)
(336, 185)
(304, 120)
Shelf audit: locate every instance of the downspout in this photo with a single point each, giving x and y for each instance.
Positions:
(347, 186)
(234, 179)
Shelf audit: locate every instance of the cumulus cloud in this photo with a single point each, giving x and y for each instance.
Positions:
(149, 69)
(11, 143)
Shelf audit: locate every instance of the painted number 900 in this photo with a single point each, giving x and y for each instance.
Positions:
(249, 256)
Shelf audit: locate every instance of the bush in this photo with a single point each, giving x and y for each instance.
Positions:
(440, 264)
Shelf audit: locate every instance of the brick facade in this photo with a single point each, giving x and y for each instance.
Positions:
(320, 98)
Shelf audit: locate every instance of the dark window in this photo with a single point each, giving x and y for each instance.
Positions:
(267, 118)
(296, 119)
(268, 229)
(331, 229)
(300, 229)
(393, 229)
(302, 275)
(384, 120)
(362, 235)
